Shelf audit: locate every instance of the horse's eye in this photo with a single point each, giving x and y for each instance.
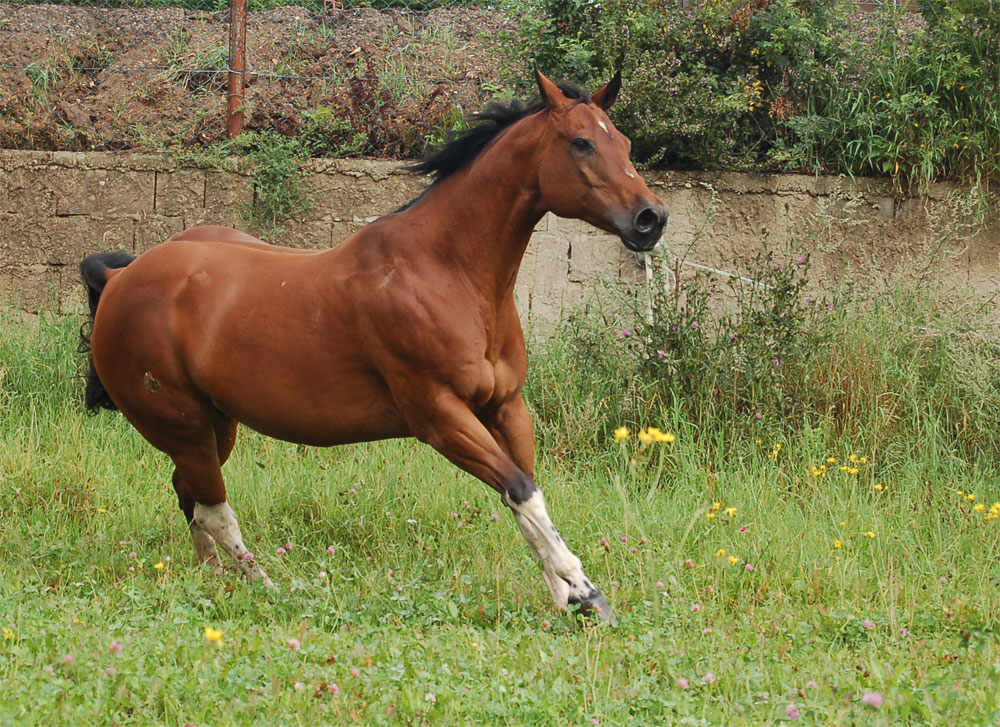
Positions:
(582, 145)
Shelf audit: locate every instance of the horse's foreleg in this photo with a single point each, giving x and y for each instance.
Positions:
(452, 429)
(514, 432)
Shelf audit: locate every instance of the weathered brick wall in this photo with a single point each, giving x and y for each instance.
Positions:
(57, 207)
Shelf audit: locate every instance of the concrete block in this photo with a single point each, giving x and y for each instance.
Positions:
(179, 192)
(103, 192)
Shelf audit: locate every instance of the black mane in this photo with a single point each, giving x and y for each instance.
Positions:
(464, 146)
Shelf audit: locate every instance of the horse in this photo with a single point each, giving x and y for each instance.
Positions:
(406, 329)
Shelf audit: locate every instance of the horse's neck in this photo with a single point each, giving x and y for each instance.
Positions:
(484, 215)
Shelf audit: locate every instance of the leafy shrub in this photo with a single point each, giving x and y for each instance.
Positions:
(756, 356)
(786, 84)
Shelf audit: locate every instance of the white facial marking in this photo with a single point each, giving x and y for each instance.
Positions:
(603, 126)
(629, 173)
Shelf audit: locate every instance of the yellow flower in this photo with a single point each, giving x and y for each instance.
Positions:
(645, 437)
(716, 506)
(730, 512)
(844, 468)
(869, 534)
(733, 560)
(710, 515)
(8, 633)
(863, 460)
(960, 492)
(852, 470)
(667, 437)
(853, 458)
(879, 487)
(837, 544)
(970, 497)
(843, 523)
(159, 565)
(831, 460)
(622, 433)
(980, 507)
(102, 510)
(213, 635)
(720, 552)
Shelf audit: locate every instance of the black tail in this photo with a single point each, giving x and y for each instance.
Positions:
(94, 271)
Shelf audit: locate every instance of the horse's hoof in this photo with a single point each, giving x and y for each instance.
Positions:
(598, 609)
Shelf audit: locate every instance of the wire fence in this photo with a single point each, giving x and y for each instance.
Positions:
(373, 78)
(352, 77)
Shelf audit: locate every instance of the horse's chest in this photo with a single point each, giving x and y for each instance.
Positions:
(497, 383)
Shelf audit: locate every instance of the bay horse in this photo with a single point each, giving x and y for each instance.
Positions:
(406, 329)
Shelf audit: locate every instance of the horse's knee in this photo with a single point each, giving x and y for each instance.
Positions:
(519, 488)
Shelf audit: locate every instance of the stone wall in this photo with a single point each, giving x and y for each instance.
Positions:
(57, 207)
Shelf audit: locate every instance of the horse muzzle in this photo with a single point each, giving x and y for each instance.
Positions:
(646, 227)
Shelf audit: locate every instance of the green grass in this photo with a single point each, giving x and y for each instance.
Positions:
(446, 618)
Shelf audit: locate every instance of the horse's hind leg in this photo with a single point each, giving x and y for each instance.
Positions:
(202, 477)
(220, 522)
(204, 544)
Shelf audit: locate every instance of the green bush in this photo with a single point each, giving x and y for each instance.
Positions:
(788, 84)
(756, 356)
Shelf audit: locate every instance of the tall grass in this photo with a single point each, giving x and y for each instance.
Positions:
(759, 356)
(402, 590)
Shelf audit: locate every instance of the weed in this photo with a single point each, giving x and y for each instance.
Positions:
(44, 77)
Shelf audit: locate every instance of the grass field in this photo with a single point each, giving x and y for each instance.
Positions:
(865, 595)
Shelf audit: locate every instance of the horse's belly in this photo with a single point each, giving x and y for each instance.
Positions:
(324, 414)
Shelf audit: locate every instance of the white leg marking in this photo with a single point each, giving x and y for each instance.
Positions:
(557, 586)
(562, 570)
(219, 521)
(204, 546)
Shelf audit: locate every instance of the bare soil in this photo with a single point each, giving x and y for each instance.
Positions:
(374, 82)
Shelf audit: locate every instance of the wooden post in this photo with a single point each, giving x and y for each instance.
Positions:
(237, 65)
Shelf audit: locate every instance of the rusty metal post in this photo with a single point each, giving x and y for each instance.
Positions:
(237, 65)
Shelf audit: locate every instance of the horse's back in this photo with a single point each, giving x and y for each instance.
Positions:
(214, 233)
(229, 235)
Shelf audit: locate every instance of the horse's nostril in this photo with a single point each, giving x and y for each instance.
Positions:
(646, 220)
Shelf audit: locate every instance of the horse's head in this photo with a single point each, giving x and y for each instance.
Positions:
(585, 170)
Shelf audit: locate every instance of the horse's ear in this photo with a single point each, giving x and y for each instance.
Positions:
(552, 96)
(605, 96)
